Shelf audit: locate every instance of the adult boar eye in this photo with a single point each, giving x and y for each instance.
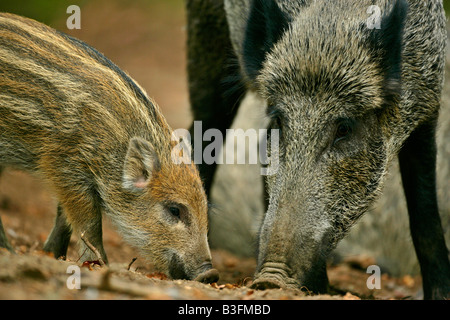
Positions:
(344, 130)
(276, 116)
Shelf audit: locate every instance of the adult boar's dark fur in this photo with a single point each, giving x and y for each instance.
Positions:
(347, 100)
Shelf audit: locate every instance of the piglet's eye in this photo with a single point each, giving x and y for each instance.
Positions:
(175, 211)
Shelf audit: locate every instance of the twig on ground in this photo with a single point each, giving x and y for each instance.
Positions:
(132, 261)
(34, 246)
(82, 254)
(93, 249)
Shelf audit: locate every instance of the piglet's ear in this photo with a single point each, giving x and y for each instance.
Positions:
(140, 162)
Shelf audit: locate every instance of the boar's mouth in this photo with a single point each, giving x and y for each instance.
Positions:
(208, 275)
(205, 273)
(273, 275)
(278, 275)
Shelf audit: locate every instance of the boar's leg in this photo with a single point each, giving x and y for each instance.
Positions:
(93, 233)
(59, 238)
(214, 82)
(3, 240)
(83, 212)
(418, 170)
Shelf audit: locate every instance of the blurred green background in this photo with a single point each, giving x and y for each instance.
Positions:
(48, 11)
(447, 6)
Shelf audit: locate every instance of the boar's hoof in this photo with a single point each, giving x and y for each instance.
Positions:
(209, 276)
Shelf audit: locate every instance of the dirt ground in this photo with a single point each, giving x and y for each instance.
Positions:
(147, 40)
(34, 274)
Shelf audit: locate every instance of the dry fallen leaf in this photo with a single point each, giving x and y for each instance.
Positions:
(90, 264)
(216, 286)
(222, 286)
(23, 249)
(349, 296)
(157, 275)
(408, 281)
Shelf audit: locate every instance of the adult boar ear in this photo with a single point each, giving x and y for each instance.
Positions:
(389, 38)
(265, 25)
(140, 162)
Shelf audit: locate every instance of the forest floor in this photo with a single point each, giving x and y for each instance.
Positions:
(34, 274)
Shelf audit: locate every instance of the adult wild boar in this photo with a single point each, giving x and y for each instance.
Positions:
(348, 92)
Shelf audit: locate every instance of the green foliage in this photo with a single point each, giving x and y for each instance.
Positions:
(44, 11)
(447, 7)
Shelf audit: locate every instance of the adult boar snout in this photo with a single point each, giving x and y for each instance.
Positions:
(273, 275)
